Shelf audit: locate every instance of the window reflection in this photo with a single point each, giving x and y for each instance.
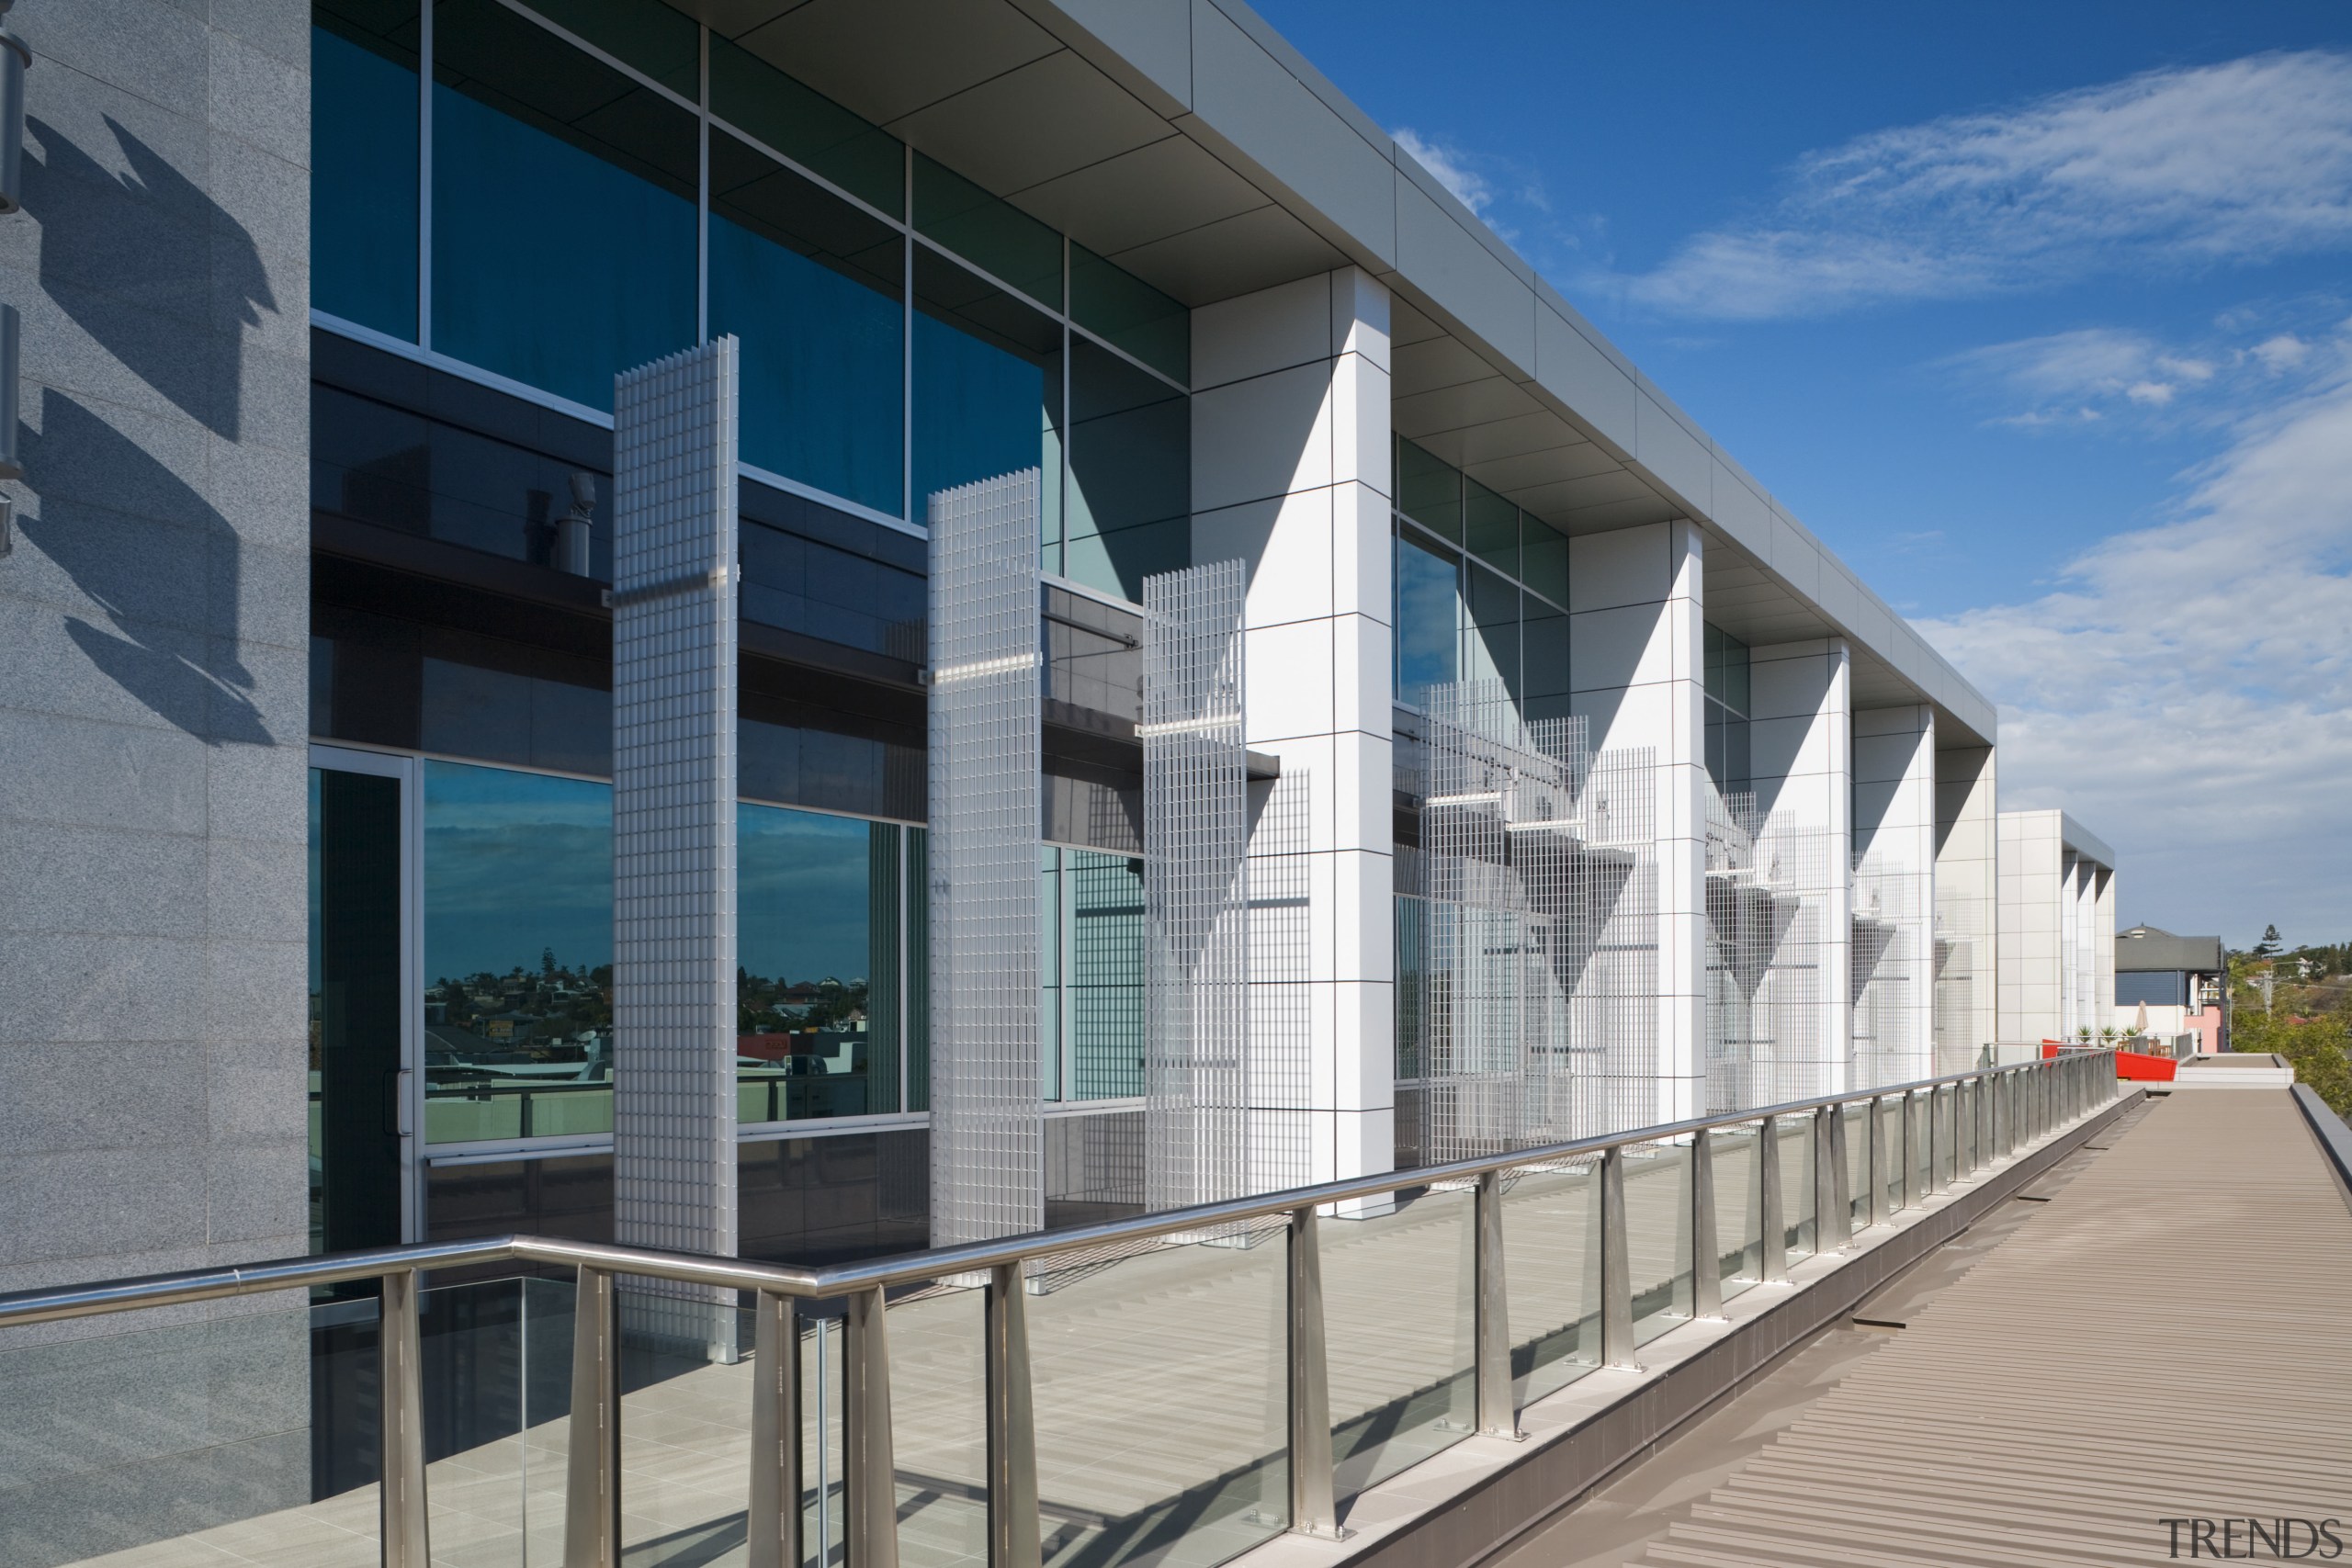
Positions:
(988, 387)
(1130, 474)
(1093, 973)
(1428, 617)
(818, 987)
(811, 286)
(374, 463)
(518, 954)
(541, 155)
(364, 151)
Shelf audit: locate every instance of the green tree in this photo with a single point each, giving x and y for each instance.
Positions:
(2268, 946)
(2319, 1049)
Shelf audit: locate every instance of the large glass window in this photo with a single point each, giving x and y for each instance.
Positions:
(1092, 973)
(1481, 588)
(812, 286)
(563, 207)
(374, 463)
(363, 162)
(1726, 664)
(518, 954)
(356, 1009)
(1429, 615)
(1130, 474)
(988, 387)
(818, 987)
(571, 241)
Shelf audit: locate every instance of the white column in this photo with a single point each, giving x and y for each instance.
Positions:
(2032, 885)
(1291, 476)
(1800, 750)
(1967, 890)
(673, 826)
(1636, 626)
(1894, 836)
(2103, 949)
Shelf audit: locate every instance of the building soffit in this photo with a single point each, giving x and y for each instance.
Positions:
(1189, 142)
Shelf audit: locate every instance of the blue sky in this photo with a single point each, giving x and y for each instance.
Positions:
(2040, 316)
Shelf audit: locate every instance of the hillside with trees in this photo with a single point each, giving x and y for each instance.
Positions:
(2297, 1003)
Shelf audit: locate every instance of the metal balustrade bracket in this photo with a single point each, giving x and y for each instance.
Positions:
(1706, 1243)
(869, 1473)
(1874, 1161)
(1314, 1505)
(772, 1526)
(1616, 1267)
(1833, 1206)
(1012, 1423)
(1775, 1268)
(1498, 1414)
(592, 1496)
(401, 1505)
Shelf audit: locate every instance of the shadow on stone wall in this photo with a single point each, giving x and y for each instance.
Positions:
(175, 609)
(151, 267)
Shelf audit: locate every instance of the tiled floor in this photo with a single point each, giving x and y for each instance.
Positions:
(1158, 1388)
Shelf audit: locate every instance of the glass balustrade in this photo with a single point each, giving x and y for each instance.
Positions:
(1739, 1206)
(1657, 1236)
(1552, 1275)
(1399, 1319)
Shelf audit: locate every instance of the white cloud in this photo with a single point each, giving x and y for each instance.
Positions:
(2187, 690)
(2244, 160)
(1452, 169)
(2077, 379)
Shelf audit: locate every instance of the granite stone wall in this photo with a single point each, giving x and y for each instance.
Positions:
(154, 611)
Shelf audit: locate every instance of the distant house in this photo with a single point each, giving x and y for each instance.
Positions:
(2179, 979)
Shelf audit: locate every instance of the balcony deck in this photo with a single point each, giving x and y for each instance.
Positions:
(2164, 1338)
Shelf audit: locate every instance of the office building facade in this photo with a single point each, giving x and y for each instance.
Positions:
(1538, 773)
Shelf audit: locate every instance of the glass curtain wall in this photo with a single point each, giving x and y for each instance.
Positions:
(1726, 684)
(831, 976)
(903, 330)
(1481, 588)
(1481, 593)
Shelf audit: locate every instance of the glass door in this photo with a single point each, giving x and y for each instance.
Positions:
(363, 1093)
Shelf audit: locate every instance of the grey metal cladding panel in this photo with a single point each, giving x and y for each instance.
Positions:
(1035, 122)
(1667, 448)
(1461, 408)
(1428, 364)
(1166, 187)
(856, 50)
(1152, 37)
(1739, 509)
(1573, 369)
(1461, 275)
(1233, 256)
(1243, 94)
(2083, 841)
(1418, 174)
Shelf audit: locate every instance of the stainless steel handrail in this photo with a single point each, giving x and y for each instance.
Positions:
(2021, 1102)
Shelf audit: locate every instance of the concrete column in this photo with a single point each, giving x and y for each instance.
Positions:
(1895, 840)
(2031, 885)
(1966, 895)
(1637, 622)
(1800, 748)
(1291, 476)
(2103, 950)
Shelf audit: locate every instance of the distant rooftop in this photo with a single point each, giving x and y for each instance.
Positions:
(2147, 949)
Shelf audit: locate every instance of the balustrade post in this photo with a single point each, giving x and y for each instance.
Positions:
(772, 1538)
(1498, 1415)
(1874, 1162)
(401, 1508)
(869, 1468)
(1616, 1266)
(1833, 1209)
(1012, 1424)
(1314, 1506)
(592, 1496)
(1706, 1243)
(1775, 1268)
